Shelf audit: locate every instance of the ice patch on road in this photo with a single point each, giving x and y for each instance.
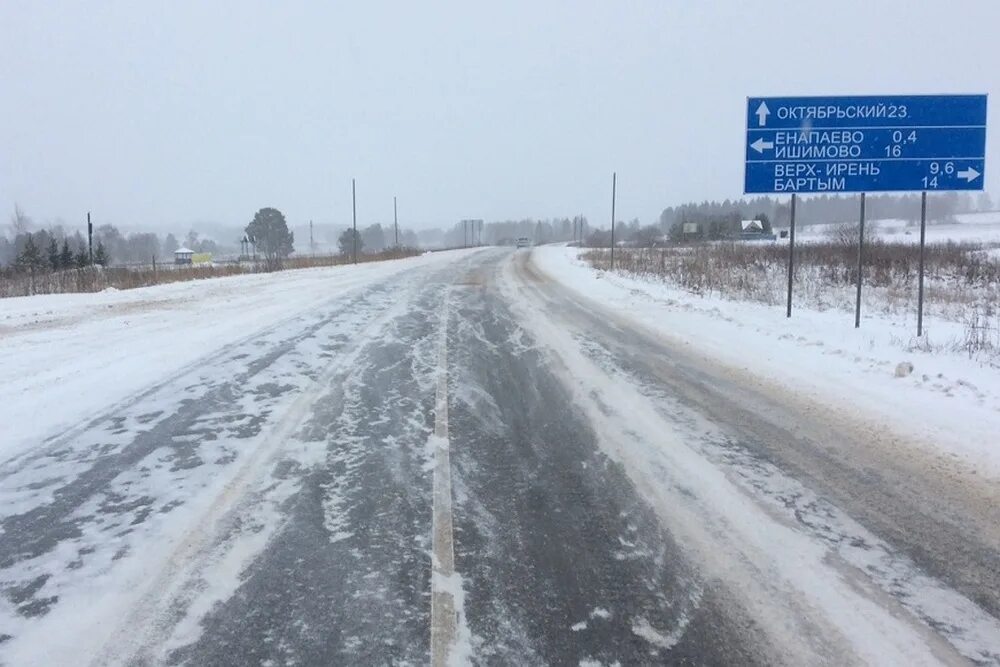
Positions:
(600, 612)
(642, 628)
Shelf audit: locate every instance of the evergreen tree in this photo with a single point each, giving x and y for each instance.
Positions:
(81, 258)
(347, 241)
(170, 245)
(65, 255)
(101, 255)
(32, 259)
(53, 252)
(373, 238)
(269, 232)
(31, 256)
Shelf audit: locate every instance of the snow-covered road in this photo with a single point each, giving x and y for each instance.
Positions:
(249, 471)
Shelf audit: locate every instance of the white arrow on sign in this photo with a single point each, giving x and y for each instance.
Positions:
(762, 112)
(969, 174)
(760, 145)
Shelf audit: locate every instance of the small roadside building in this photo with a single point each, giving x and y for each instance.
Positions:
(753, 230)
(183, 256)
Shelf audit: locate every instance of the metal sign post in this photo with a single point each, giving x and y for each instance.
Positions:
(920, 279)
(876, 143)
(791, 256)
(861, 248)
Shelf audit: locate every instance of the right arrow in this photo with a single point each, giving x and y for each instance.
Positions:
(762, 112)
(969, 174)
(760, 145)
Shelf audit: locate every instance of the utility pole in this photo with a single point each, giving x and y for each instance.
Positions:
(614, 186)
(354, 217)
(312, 244)
(90, 239)
(395, 220)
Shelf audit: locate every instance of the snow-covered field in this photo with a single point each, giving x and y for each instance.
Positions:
(965, 228)
(948, 404)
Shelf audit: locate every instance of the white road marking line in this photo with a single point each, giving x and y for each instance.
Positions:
(444, 611)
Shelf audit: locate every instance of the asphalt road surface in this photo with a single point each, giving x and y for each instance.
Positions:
(474, 464)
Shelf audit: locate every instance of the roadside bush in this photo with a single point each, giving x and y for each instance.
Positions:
(962, 280)
(16, 281)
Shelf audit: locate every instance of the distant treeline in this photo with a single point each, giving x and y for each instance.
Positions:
(57, 248)
(825, 208)
(507, 232)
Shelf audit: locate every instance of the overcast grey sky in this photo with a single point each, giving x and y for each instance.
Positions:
(159, 115)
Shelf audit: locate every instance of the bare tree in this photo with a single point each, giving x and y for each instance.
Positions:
(846, 234)
(20, 223)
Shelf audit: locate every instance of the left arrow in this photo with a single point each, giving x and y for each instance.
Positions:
(760, 145)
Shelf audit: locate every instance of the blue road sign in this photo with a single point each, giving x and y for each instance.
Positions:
(887, 143)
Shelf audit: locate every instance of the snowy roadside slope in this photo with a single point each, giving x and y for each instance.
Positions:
(949, 405)
(64, 358)
(963, 228)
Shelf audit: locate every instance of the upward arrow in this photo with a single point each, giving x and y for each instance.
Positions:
(762, 112)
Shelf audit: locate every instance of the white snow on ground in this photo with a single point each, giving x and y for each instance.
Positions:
(157, 546)
(962, 228)
(949, 404)
(642, 628)
(816, 582)
(65, 357)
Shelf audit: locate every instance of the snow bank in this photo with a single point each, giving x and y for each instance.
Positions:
(948, 403)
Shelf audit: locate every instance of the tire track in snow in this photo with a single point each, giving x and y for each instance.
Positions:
(562, 561)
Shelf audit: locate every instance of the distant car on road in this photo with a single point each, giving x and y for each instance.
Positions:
(523, 242)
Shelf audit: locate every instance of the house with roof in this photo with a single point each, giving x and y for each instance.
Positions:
(753, 230)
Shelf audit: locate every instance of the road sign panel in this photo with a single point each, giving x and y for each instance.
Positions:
(865, 144)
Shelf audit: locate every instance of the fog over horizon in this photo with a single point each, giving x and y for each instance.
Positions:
(194, 115)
